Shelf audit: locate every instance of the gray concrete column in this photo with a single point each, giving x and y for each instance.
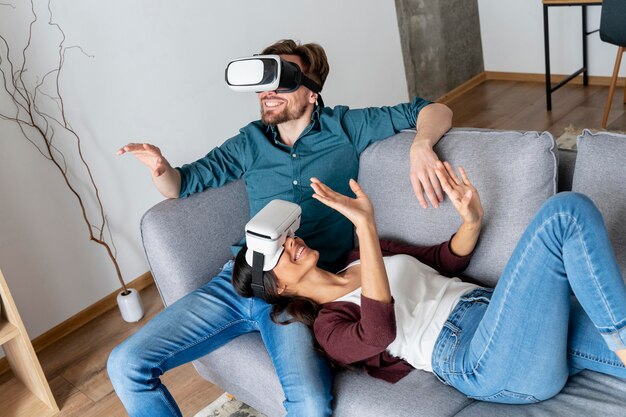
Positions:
(441, 44)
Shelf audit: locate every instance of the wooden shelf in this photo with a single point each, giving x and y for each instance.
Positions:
(28, 394)
(7, 331)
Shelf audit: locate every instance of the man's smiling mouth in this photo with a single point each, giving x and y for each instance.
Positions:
(272, 103)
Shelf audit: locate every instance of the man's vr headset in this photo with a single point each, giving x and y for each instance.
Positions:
(265, 238)
(268, 73)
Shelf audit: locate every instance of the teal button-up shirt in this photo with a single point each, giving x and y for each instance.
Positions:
(329, 149)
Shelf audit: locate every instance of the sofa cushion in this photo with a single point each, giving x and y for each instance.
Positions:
(356, 393)
(514, 172)
(587, 394)
(601, 173)
(419, 394)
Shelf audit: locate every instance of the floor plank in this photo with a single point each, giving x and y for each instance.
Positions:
(76, 369)
(498, 104)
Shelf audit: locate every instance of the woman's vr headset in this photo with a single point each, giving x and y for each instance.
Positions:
(265, 237)
(268, 73)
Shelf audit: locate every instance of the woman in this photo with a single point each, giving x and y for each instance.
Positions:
(515, 344)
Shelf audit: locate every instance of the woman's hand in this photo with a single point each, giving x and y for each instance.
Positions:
(358, 210)
(467, 203)
(462, 193)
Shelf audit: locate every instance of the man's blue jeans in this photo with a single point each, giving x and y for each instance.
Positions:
(520, 344)
(201, 322)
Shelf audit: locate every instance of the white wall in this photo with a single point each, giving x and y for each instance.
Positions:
(512, 38)
(156, 74)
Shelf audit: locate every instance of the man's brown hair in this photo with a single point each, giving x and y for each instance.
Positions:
(312, 55)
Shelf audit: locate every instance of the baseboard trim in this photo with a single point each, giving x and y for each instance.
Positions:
(541, 78)
(521, 77)
(463, 88)
(81, 318)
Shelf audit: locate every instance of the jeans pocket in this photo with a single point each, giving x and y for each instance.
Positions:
(447, 343)
(507, 397)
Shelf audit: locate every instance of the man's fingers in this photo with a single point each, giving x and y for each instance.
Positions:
(436, 186)
(430, 192)
(417, 189)
(139, 149)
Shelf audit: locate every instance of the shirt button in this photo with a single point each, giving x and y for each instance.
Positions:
(295, 182)
(294, 155)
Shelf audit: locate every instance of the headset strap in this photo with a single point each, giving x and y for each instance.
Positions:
(258, 287)
(313, 86)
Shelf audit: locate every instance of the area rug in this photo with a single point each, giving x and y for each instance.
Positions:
(228, 406)
(567, 140)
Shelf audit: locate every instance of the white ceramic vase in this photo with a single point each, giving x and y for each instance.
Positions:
(130, 305)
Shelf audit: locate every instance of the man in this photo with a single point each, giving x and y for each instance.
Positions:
(295, 140)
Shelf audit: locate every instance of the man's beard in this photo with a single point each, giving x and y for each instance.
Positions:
(285, 115)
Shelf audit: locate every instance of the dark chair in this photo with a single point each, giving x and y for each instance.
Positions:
(613, 30)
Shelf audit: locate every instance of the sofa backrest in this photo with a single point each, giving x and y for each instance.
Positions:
(514, 172)
(187, 241)
(601, 174)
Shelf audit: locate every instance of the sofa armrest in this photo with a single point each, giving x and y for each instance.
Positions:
(188, 240)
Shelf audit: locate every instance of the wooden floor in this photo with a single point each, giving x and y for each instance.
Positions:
(76, 370)
(76, 365)
(522, 106)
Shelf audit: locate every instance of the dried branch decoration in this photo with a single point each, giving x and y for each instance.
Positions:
(40, 113)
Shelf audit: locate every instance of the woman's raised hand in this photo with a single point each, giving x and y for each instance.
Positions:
(358, 210)
(149, 155)
(462, 193)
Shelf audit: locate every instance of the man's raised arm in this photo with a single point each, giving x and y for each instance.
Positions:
(166, 179)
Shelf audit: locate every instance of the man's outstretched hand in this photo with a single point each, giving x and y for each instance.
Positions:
(149, 155)
(423, 177)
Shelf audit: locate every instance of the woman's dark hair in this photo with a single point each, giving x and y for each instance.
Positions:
(301, 309)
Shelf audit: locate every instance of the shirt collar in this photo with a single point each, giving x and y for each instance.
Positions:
(272, 131)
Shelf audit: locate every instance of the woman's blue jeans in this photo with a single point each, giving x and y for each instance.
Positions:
(521, 344)
(201, 322)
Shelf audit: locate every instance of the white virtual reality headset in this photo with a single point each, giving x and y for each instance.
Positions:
(265, 237)
(268, 73)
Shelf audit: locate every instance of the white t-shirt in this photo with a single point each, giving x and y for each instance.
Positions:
(423, 301)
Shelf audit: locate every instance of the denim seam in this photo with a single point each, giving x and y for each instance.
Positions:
(593, 358)
(208, 336)
(593, 275)
(507, 290)
(167, 402)
(455, 330)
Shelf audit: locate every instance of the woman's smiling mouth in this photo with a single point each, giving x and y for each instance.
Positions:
(299, 251)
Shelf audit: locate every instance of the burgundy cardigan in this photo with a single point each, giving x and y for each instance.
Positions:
(354, 335)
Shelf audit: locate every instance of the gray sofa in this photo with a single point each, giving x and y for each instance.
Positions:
(186, 242)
